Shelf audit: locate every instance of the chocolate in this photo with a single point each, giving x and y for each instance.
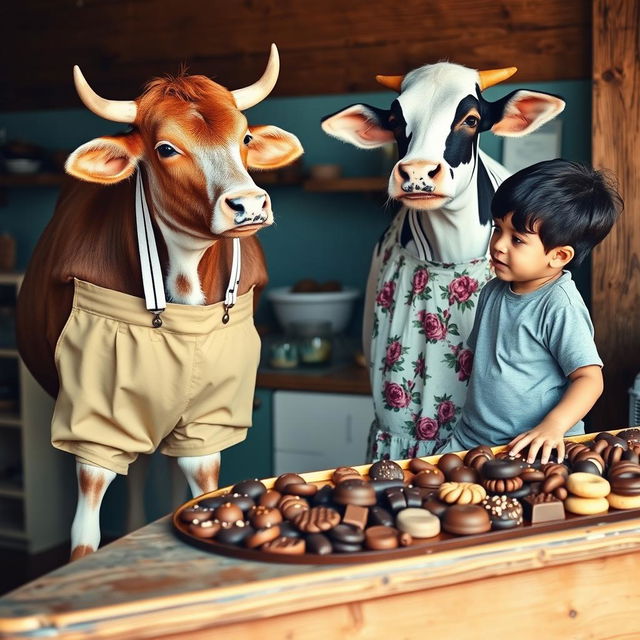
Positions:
(466, 519)
(204, 529)
(270, 498)
(241, 500)
(287, 478)
(522, 492)
(631, 436)
(344, 533)
(345, 473)
(586, 466)
(228, 514)
(506, 485)
(356, 516)
(379, 486)
(504, 513)
(448, 462)
(291, 506)
(319, 544)
(317, 519)
(264, 517)
(396, 499)
(531, 474)
(429, 478)
(380, 516)
(260, 536)
(195, 514)
(346, 547)
(417, 464)
(288, 530)
(418, 523)
(630, 455)
(435, 506)
(478, 456)
(357, 492)
(501, 468)
(305, 489)
(386, 470)
(323, 497)
(380, 537)
(235, 534)
(252, 488)
(463, 474)
(413, 496)
(285, 546)
(543, 507)
(554, 481)
(211, 503)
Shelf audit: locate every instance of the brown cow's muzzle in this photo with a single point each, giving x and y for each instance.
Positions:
(420, 184)
(245, 211)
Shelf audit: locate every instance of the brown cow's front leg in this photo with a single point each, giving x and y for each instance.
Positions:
(85, 530)
(201, 472)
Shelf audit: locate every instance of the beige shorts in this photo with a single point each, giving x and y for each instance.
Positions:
(127, 388)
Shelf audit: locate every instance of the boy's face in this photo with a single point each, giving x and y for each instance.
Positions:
(520, 258)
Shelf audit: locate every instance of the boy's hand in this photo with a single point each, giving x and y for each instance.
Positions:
(545, 437)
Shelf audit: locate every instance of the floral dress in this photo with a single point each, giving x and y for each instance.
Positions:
(420, 363)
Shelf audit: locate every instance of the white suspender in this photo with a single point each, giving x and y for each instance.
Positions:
(152, 281)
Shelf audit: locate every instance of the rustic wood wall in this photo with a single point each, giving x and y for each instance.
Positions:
(616, 262)
(327, 46)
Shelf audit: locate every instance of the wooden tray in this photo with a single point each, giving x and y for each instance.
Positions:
(442, 542)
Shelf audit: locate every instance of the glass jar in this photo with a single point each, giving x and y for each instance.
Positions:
(283, 354)
(315, 342)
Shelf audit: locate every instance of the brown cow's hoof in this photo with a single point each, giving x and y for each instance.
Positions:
(81, 551)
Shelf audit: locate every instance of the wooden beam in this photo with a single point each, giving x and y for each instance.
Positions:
(327, 46)
(616, 262)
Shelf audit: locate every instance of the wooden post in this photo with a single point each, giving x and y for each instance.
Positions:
(616, 262)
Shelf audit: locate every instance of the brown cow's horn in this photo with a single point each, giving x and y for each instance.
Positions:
(391, 82)
(114, 110)
(258, 91)
(494, 76)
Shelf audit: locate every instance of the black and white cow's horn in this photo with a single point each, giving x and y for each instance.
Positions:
(493, 76)
(391, 82)
(258, 91)
(114, 110)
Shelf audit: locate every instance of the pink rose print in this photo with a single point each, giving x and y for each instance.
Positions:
(385, 297)
(420, 280)
(396, 396)
(394, 351)
(433, 327)
(426, 428)
(412, 451)
(446, 411)
(465, 364)
(419, 366)
(461, 289)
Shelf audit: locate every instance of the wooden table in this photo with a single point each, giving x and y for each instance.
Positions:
(578, 583)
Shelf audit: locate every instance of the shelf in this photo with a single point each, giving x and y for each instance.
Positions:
(8, 419)
(31, 179)
(8, 353)
(373, 183)
(11, 490)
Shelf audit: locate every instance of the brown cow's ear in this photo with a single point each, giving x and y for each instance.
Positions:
(106, 160)
(358, 124)
(272, 147)
(525, 111)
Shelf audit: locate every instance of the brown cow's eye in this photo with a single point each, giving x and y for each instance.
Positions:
(248, 138)
(166, 150)
(471, 121)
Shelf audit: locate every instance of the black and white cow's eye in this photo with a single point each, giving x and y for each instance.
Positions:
(248, 138)
(471, 121)
(165, 150)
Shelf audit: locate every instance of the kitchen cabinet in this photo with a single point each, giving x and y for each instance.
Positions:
(37, 482)
(314, 431)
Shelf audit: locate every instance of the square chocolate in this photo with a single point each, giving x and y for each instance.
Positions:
(543, 507)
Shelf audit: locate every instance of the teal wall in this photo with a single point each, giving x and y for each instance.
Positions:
(316, 235)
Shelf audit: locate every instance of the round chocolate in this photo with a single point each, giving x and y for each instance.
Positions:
(252, 488)
(419, 523)
(380, 486)
(286, 478)
(386, 470)
(466, 519)
(531, 474)
(448, 462)
(522, 492)
(228, 513)
(291, 506)
(631, 436)
(435, 506)
(412, 496)
(345, 473)
(380, 517)
(285, 546)
(505, 513)
(381, 537)
(396, 499)
(317, 519)
(586, 466)
(631, 456)
(417, 464)
(500, 469)
(346, 547)
(358, 492)
(270, 499)
(324, 496)
(288, 530)
(204, 529)
(429, 478)
(261, 536)
(211, 503)
(264, 517)
(319, 544)
(463, 474)
(234, 535)
(347, 534)
(241, 500)
(195, 514)
(306, 489)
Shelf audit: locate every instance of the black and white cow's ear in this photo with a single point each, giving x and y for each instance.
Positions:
(523, 111)
(360, 125)
(106, 160)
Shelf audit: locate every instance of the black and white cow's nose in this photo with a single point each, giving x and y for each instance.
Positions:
(417, 176)
(247, 207)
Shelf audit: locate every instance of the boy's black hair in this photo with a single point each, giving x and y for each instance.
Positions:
(573, 203)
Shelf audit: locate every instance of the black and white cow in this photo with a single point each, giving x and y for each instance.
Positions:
(429, 266)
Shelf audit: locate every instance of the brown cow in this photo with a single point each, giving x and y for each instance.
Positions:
(191, 145)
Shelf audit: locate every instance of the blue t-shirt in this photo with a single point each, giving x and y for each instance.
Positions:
(524, 348)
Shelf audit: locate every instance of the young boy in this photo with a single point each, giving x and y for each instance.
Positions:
(536, 370)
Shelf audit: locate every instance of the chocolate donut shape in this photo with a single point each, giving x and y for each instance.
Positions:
(501, 469)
